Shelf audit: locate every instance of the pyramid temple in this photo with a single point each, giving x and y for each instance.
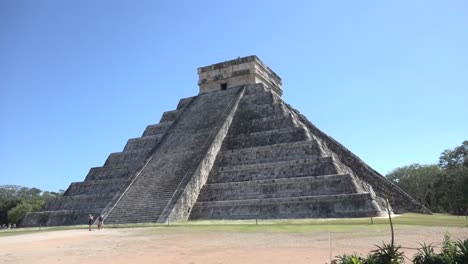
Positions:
(234, 151)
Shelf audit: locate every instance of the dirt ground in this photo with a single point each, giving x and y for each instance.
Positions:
(179, 245)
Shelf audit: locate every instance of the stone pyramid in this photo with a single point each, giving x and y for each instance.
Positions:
(234, 151)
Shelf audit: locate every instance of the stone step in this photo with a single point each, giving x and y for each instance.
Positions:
(282, 121)
(146, 142)
(274, 170)
(278, 188)
(324, 206)
(264, 138)
(59, 217)
(83, 202)
(252, 111)
(104, 173)
(95, 186)
(258, 98)
(270, 153)
(169, 116)
(160, 128)
(184, 102)
(127, 158)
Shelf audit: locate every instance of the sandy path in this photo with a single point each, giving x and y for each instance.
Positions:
(178, 245)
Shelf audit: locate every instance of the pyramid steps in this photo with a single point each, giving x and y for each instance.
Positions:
(258, 98)
(85, 202)
(269, 167)
(103, 183)
(264, 138)
(178, 155)
(342, 205)
(105, 173)
(278, 188)
(274, 170)
(145, 142)
(156, 129)
(96, 186)
(269, 153)
(252, 111)
(262, 124)
(127, 158)
(234, 151)
(169, 116)
(59, 217)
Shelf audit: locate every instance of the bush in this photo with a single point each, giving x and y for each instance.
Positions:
(388, 254)
(451, 253)
(19, 211)
(462, 251)
(426, 255)
(349, 259)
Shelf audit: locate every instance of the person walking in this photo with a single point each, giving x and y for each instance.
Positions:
(100, 222)
(90, 221)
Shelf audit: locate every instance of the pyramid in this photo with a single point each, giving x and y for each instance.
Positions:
(234, 151)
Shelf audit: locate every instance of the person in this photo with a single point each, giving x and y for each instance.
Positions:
(99, 223)
(90, 221)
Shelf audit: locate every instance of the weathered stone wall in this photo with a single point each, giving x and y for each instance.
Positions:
(343, 205)
(233, 73)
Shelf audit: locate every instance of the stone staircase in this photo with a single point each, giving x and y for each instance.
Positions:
(271, 167)
(176, 157)
(102, 184)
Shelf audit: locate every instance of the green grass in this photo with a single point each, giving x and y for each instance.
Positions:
(287, 226)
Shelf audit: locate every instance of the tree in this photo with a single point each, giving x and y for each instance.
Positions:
(455, 165)
(442, 187)
(456, 158)
(17, 201)
(418, 181)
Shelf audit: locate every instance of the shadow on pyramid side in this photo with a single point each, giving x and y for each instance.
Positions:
(235, 151)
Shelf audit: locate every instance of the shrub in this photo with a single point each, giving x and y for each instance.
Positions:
(387, 253)
(426, 255)
(462, 251)
(349, 259)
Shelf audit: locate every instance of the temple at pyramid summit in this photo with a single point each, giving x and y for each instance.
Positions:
(234, 151)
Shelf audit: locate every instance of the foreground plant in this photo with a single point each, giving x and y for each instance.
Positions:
(462, 251)
(451, 253)
(426, 255)
(387, 253)
(349, 259)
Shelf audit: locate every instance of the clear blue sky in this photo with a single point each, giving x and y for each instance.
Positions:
(387, 79)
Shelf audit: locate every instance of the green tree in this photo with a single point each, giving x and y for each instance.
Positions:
(442, 187)
(456, 158)
(418, 181)
(17, 201)
(455, 184)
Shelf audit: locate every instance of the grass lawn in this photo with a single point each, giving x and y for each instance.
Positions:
(289, 226)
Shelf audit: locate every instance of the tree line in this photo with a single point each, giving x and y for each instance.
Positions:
(16, 201)
(441, 187)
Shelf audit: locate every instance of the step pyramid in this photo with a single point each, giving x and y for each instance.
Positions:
(234, 151)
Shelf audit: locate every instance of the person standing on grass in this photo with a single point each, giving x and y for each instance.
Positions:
(90, 221)
(100, 221)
